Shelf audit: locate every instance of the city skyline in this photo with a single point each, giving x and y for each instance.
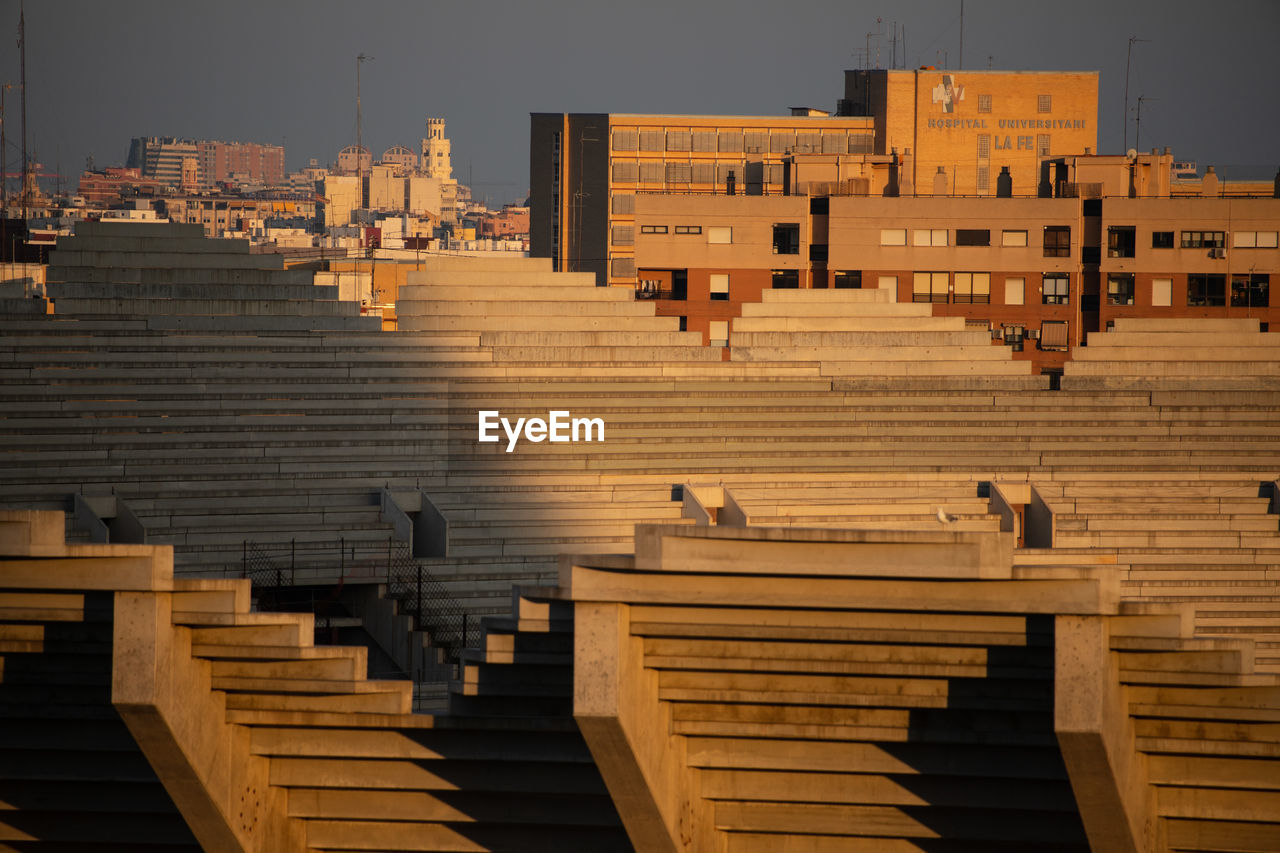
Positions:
(98, 76)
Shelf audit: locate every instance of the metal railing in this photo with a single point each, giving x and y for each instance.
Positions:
(283, 575)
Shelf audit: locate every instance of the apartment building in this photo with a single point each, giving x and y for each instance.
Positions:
(1036, 239)
(587, 169)
(1038, 273)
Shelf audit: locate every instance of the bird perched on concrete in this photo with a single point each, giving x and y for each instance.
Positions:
(944, 517)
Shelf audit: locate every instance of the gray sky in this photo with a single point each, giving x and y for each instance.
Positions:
(283, 71)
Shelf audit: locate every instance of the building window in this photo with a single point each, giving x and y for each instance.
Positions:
(652, 140)
(624, 235)
(786, 238)
(1013, 239)
(730, 141)
(1203, 240)
(1162, 239)
(818, 252)
(704, 140)
(653, 229)
(719, 287)
(1042, 145)
(929, 237)
(973, 287)
(688, 229)
(786, 279)
(720, 234)
(679, 140)
(1206, 290)
(679, 173)
(848, 279)
(1254, 239)
(984, 179)
(1120, 289)
(624, 172)
(1014, 291)
(718, 331)
(1055, 289)
(973, 237)
(1250, 291)
(1121, 241)
(1053, 335)
(1044, 103)
(624, 140)
(622, 268)
(1162, 292)
(984, 146)
(1057, 241)
(624, 203)
(819, 206)
(893, 237)
(929, 287)
(984, 103)
(651, 173)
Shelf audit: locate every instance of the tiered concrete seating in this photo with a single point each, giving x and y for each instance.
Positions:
(265, 742)
(849, 690)
(860, 333)
(71, 774)
(1177, 353)
(149, 270)
(523, 312)
(232, 433)
(1209, 542)
(909, 505)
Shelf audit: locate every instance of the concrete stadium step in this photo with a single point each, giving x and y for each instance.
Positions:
(163, 258)
(208, 306)
(919, 351)
(835, 310)
(1184, 324)
(178, 275)
(436, 263)
(857, 338)
(886, 323)
(521, 307)
(824, 296)
(555, 292)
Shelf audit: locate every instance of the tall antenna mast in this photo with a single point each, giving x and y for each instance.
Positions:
(1127, 62)
(360, 60)
(22, 53)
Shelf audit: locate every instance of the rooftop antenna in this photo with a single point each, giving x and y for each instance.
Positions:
(1137, 139)
(360, 60)
(989, 58)
(4, 155)
(1127, 62)
(879, 33)
(893, 47)
(22, 52)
